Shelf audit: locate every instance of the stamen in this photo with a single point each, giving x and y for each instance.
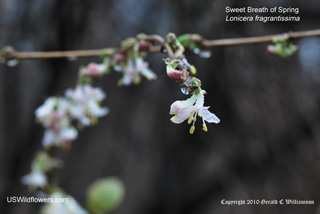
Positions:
(199, 114)
(80, 126)
(193, 126)
(194, 116)
(137, 80)
(120, 82)
(190, 119)
(174, 117)
(192, 129)
(195, 119)
(94, 120)
(149, 77)
(204, 127)
(193, 69)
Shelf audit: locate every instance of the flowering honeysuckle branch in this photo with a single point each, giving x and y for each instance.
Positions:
(9, 53)
(82, 104)
(63, 116)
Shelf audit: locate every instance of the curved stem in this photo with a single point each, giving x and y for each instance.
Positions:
(164, 44)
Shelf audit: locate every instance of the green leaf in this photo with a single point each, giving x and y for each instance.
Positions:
(184, 40)
(84, 80)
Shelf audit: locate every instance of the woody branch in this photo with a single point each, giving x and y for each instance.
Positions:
(8, 53)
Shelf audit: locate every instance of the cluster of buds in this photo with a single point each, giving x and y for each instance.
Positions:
(81, 104)
(282, 46)
(179, 70)
(131, 64)
(94, 70)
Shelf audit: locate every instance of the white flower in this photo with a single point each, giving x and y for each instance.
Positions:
(59, 137)
(69, 207)
(191, 108)
(85, 104)
(53, 116)
(52, 111)
(135, 67)
(35, 178)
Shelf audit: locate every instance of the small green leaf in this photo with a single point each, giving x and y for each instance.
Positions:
(193, 45)
(84, 80)
(184, 40)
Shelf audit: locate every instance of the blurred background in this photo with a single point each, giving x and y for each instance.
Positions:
(267, 145)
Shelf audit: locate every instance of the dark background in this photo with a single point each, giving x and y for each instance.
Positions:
(266, 146)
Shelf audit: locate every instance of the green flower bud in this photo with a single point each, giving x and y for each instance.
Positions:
(105, 195)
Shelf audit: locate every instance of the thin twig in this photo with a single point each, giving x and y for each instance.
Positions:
(65, 54)
(9, 53)
(258, 39)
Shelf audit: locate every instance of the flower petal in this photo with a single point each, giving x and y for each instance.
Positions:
(96, 110)
(183, 115)
(35, 178)
(84, 121)
(50, 138)
(150, 75)
(209, 117)
(181, 104)
(69, 134)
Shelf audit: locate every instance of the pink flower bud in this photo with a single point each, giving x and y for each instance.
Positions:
(119, 58)
(94, 67)
(93, 70)
(175, 75)
(144, 46)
